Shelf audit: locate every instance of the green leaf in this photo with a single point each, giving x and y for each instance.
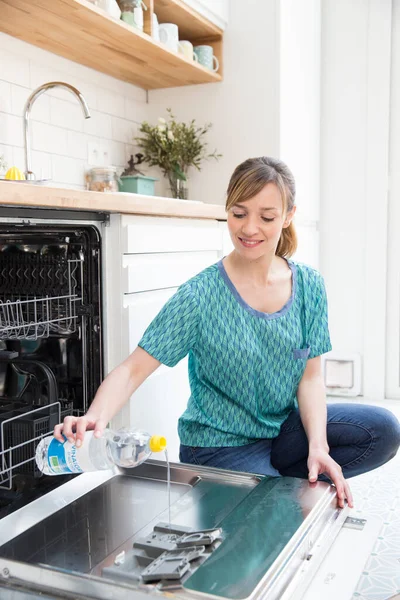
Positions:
(188, 147)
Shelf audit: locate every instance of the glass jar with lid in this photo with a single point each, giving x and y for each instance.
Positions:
(102, 179)
(132, 12)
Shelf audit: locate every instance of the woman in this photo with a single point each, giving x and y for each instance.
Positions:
(254, 326)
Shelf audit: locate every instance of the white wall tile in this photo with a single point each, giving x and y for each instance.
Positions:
(68, 170)
(14, 68)
(40, 74)
(77, 144)
(87, 89)
(7, 153)
(40, 110)
(110, 103)
(136, 111)
(99, 125)
(60, 135)
(118, 155)
(5, 96)
(48, 138)
(65, 114)
(19, 95)
(123, 130)
(11, 131)
(42, 165)
(18, 158)
(134, 93)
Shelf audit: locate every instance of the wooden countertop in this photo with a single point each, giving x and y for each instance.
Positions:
(21, 194)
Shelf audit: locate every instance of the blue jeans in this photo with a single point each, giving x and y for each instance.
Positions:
(360, 438)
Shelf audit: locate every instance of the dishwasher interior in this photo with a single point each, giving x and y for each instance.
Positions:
(50, 344)
(226, 535)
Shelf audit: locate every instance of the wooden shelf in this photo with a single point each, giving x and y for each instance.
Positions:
(192, 26)
(82, 32)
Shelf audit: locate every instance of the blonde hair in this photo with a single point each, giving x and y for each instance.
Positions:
(250, 177)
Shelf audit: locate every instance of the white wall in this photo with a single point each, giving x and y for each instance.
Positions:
(61, 137)
(299, 114)
(393, 271)
(244, 107)
(354, 177)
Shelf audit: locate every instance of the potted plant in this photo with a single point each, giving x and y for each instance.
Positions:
(175, 147)
(134, 181)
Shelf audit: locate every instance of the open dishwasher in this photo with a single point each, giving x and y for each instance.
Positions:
(50, 343)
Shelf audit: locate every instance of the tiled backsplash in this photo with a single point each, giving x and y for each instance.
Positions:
(64, 144)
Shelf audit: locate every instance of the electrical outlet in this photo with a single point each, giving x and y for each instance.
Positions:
(98, 154)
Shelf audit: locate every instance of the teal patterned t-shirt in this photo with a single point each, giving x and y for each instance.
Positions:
(244, 365)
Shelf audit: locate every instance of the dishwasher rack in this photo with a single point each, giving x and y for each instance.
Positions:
(39, 296)
(23, 425)
(19, 436)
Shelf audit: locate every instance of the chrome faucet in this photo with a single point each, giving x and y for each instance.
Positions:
(27, 111)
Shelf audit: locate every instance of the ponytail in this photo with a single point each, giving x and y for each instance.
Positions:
(287, 244)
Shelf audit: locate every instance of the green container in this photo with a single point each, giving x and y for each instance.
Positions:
(137, 184)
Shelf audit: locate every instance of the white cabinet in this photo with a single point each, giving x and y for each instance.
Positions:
(150, 258)
(142, 272)
(142, 235)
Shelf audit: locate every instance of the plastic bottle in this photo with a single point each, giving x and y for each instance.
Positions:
(123, 448)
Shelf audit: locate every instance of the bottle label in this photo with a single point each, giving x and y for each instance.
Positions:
(67, 458)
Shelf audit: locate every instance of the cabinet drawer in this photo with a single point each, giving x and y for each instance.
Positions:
(143, 272)
(142, 309)
(155, 234)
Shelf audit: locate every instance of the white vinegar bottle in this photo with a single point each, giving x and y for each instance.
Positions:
(123, 448)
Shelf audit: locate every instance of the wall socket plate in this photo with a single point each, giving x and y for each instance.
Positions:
(98, 154)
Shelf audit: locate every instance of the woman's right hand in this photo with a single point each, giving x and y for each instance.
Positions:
(113, 393)
(73, 428)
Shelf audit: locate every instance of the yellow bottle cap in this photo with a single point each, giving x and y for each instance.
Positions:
(157, 443)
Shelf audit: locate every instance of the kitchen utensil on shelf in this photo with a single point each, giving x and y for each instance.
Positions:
(14, 173)
(132, 12)
(134, 181)
(169, 35)
(206, 57)
(186, 48)
(102, 179)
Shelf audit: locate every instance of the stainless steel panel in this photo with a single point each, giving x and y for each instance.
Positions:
(105, 520)
(274, 530)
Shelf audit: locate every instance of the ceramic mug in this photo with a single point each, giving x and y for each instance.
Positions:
(186, 48)
(205, 56)
(169, 35)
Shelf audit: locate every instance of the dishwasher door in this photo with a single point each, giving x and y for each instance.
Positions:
(273, 534)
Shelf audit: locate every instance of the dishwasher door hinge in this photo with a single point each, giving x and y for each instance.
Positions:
(354, 523)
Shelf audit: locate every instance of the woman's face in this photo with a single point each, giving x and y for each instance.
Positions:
(255, 225)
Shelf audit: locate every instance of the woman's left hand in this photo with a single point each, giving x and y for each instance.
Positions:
(319, 462)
